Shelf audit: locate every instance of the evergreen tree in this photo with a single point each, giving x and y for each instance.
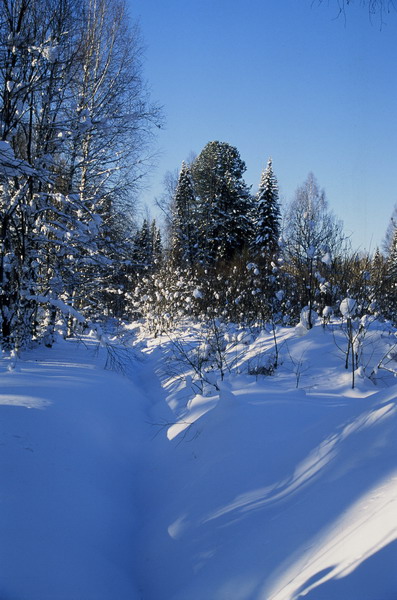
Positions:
(157, 246)
(378, 272)
(147, 247)
(264, 246)
(389, 299)
(142, 252)
(266, 215)
(183, 226)
(390, 231)
(392, 258)
(223, 203)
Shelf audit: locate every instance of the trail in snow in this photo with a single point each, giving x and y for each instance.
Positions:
(71, 437)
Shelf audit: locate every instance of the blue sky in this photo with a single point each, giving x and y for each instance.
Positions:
(286, 79)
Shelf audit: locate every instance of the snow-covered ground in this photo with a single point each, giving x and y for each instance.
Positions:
(71, 435)
(160, 484)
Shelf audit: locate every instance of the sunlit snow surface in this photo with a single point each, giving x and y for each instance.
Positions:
(366, 528)
(284, 487)
(21, 400)
(147, 486)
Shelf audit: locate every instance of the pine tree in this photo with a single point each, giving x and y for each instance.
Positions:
(142, 252)
(379, 284)
(266, 216)
(392, 258)
(157, 246)
(223, 203)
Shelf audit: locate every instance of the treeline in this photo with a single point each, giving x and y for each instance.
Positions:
(239, 257)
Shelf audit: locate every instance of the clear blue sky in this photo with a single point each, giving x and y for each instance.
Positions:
(281, 78)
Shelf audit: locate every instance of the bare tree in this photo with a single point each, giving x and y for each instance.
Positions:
(378, 8)
(313, 236)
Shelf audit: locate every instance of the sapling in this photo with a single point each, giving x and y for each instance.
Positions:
(387, 362)
(355, 334)
(298, 366)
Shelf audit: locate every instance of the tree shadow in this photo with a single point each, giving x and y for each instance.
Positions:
(374, 579)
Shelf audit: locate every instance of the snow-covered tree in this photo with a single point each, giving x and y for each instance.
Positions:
(35, 67)
(266, 215)
(312, 237)
(392, 258)
(157, 255)
(183, 224)
(73, 117)
(223, 203)
(389, 288)
(105, 149)
(147, 247)
(390, 231)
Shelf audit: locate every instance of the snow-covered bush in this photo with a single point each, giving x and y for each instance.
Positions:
(164, 298)
(308, 317)
(348, 308)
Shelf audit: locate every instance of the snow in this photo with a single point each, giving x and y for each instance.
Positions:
(280, 295)
(327, 312)
(348, 307)
(307, 317)
(327, 259)
(197, 294)
(69, 438)
(160, 485)
(5, 148)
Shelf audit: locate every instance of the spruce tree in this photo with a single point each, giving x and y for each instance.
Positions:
(378, 272)
(183, 226)
(266, 215)
(157, 245)
(142, 253)
(147, 247)
(392, 258)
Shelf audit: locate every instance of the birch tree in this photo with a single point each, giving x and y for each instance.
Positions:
(74, 120)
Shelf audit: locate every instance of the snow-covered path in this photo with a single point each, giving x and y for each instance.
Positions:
(71, 437)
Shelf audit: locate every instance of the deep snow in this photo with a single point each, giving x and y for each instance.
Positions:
(148, 486)
(70, 439)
